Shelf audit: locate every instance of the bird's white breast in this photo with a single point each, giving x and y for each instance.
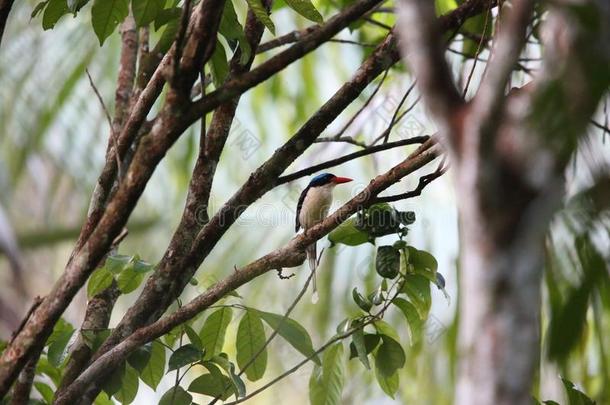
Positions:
(315, 205)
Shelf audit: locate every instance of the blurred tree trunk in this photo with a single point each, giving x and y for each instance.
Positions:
(509, 152)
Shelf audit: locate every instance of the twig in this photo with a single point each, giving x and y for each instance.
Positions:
(478, 51)
(112, 133)
(180, 36)
(274, 333)
(377, 23)
(423, 182)
(393, 120)
(366, 103)
(346, 139)
(335, 162)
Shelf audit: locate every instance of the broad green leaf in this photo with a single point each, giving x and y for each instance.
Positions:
(106, 15)
(384, 328)
(389, 356)
(261, 14)
(390, 384)
(292, 331)
(155, 368)
(176, 396)
(103, 399)
(360, 347)
(229, 367)
(186, 354)
(45, 391)
(444, 6)
(219, 65)
(54, 10)
(361, 301)
(417, 288)
(326, 382)
(371, 341)
(166, 15)
(140, 357)
(58, 342)
(348, 234)
(416, 324)
(38, 8)
(250, 341)
(476, 27)
(193, 337)
(129, 279)
(44, 367)
(94, 338)
(213, 331)
(387, 262)
(306, 9)
(218, 385)
(116, 263)
(129, 386)
(145, 11)
(420, 259)
(112, 383)
(575, 396)
(231, 29)
(168, 36)
(99, 281)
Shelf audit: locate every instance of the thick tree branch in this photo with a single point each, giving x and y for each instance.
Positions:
(288, 256)
(424, 48)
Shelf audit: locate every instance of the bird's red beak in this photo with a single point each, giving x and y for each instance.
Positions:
(340, 180)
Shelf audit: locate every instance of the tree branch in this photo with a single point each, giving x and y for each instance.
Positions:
(288, 256)
(5, 9)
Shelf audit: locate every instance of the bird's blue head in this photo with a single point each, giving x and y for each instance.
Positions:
(327, 178)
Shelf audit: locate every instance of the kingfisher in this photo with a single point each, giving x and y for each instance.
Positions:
(312, 208)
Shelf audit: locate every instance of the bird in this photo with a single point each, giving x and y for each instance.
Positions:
(312, 208)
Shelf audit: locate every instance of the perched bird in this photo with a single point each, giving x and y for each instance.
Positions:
(312, 208)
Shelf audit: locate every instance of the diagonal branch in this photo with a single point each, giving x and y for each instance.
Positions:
(288, 256)
(424, 49)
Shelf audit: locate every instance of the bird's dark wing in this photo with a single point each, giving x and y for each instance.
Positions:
(299, 205)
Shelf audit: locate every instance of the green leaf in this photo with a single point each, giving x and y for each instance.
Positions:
(326, 382)
(38, 8)
(129, 386)
(306, 9)
(44, 367)
(444, 6)
(348, 234)
(94, 338)
(229, 367)
(416, 324)
(103, 399)
(361, 301)
(387, 262)
(575, 396)
(176, 396)
(389, 356)
(57, 342)
(417, 288)
(261, 14)
(145, 11)
(54, 10)
(166, 15)
(213, 331)
(140, 357)
(155, 368)
(116, 263)
(292, 331)
(250, 341)
(371, 341)
(45, 391)
(231, 29)
(99, 281)
(213, 385)
(106, 15)
(112, 384)
(219, 65)
(168, 36)
(186, 354)
(193, 337)
(360, 347)
(129, 279)
(422, 260)
(390, 384)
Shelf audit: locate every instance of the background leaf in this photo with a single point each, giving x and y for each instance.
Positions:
(250, 339)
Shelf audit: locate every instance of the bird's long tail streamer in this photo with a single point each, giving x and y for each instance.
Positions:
(312, 258)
